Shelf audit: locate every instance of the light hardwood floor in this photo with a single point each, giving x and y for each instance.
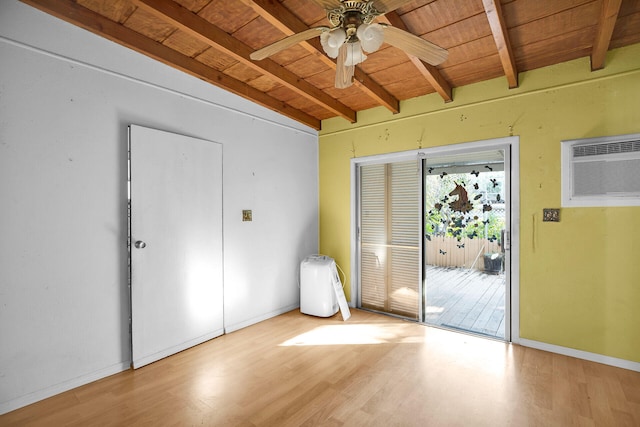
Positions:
(372, 370)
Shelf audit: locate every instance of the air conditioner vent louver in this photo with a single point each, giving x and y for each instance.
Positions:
(607, 148)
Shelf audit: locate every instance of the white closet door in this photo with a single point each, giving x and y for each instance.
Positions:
(176, 243)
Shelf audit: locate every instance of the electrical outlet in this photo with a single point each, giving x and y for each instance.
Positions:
(551, 215)
(246, 215)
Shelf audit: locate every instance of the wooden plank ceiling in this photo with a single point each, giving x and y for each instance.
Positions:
(213, 39)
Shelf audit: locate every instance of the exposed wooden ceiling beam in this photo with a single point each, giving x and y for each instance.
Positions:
(430, 73)
(501, 37)
(606, 23)
(208, 33)
(73, 13)
(282, 18)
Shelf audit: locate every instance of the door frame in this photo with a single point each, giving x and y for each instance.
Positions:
(513, 142)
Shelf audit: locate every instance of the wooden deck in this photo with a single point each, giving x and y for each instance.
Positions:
(467, 300)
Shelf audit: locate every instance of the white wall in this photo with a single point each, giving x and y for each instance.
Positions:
(66, 98)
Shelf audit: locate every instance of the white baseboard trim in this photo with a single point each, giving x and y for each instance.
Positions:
(139, 363)
(236, 326)
(36, 396)
(579, 354)
(45, 393)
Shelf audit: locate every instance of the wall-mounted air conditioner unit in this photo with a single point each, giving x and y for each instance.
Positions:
(601, 171)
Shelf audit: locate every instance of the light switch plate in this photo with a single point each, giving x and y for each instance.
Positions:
(246, 215)
(551, 215)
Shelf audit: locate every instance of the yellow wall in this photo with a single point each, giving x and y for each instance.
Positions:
(580, 278)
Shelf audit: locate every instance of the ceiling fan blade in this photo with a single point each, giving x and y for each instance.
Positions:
(287, 42)
(344, 73)
(384, 6)
(415, 45)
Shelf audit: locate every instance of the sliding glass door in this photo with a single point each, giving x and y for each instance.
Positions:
(466, 224)
(433, 239)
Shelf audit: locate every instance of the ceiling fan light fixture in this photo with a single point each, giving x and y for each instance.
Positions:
(352, 32)
(355, 55)
(331, 41)
(371, 37)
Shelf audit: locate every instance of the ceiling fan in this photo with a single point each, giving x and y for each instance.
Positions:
(353, 32)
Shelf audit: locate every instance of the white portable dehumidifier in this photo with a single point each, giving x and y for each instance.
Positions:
(317, 296)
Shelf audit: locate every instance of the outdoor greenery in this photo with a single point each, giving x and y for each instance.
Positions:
(465, 205)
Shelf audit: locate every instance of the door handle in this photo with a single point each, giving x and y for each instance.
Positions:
(140, 244)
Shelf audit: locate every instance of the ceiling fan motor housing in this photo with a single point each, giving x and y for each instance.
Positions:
(352, 13)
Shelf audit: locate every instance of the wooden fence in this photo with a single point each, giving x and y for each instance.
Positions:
(467, 253)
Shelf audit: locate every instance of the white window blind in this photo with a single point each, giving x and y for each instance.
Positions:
(390, 237)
